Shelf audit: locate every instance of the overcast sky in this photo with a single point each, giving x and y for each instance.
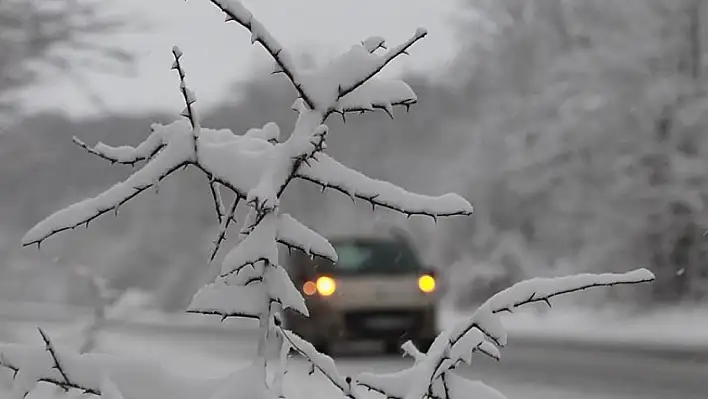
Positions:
(217, 53)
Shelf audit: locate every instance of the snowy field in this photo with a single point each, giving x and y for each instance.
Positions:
(528, 369)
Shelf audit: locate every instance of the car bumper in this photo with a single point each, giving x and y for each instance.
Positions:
(325, 324)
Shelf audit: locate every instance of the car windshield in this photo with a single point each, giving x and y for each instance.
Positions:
(374, 257)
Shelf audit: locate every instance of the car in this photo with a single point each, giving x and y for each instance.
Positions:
(377, 290)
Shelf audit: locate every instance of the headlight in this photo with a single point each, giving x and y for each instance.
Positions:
(426, 283)
(309, 288)
(326, 286)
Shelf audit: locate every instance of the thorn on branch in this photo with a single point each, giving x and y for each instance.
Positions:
(52, 352)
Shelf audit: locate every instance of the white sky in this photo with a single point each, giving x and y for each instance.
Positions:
(217, 53)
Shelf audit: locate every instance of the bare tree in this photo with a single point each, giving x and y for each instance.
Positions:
(59, 35)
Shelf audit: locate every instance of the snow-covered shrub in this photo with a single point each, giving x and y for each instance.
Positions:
(256, 167)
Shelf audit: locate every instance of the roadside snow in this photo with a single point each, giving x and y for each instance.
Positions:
(683, 328)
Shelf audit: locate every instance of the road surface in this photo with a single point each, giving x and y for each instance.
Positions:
(528, 370)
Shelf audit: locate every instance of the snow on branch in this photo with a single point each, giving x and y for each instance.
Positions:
(538, 290)
(126, 155)
(270, 132)
(188, 95)
(457, 344)
(177, 153)
(338, 86)
(431, 375)
(329, 173)
(65, 381)
(96, 374)
(296, 235)
(543, 289)
(320, 361)
(218, 201)
(375, 94)
(282, 290)
(258, 246)
(306, 141)
(226, 220)
(235, 11)
(220, 299)
(360, 64)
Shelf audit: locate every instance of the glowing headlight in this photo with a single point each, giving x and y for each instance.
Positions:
(426, 283)
(326, 286)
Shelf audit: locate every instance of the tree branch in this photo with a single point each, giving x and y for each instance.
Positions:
(187, 95)
(39, 235)
(224, 226)
(216, 197)
(381, 63)
(235, 11)
(130, 156)
(52, 352)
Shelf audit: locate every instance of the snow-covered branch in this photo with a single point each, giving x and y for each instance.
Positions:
(235, 11)
(97, 374)
(177, 153)
(329, 173)
(126, 155)
(320, 361)
(218, 202)
(484, 330)
(65, 381)
(366, 70)
(225, 221)
(188, 95)
(296, 235)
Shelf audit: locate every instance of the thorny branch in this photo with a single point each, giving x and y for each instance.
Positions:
(236, 12)
(345, 386)
(52, 352)
(374, 202)
(218, 203)
(100, 212)
(113, 160)
(224, 226)
(383, 61)
(187, 95)
(189, 99)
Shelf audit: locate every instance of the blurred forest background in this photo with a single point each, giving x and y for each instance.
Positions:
(577, 128)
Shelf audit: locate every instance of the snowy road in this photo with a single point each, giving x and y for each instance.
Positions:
(527, 371)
